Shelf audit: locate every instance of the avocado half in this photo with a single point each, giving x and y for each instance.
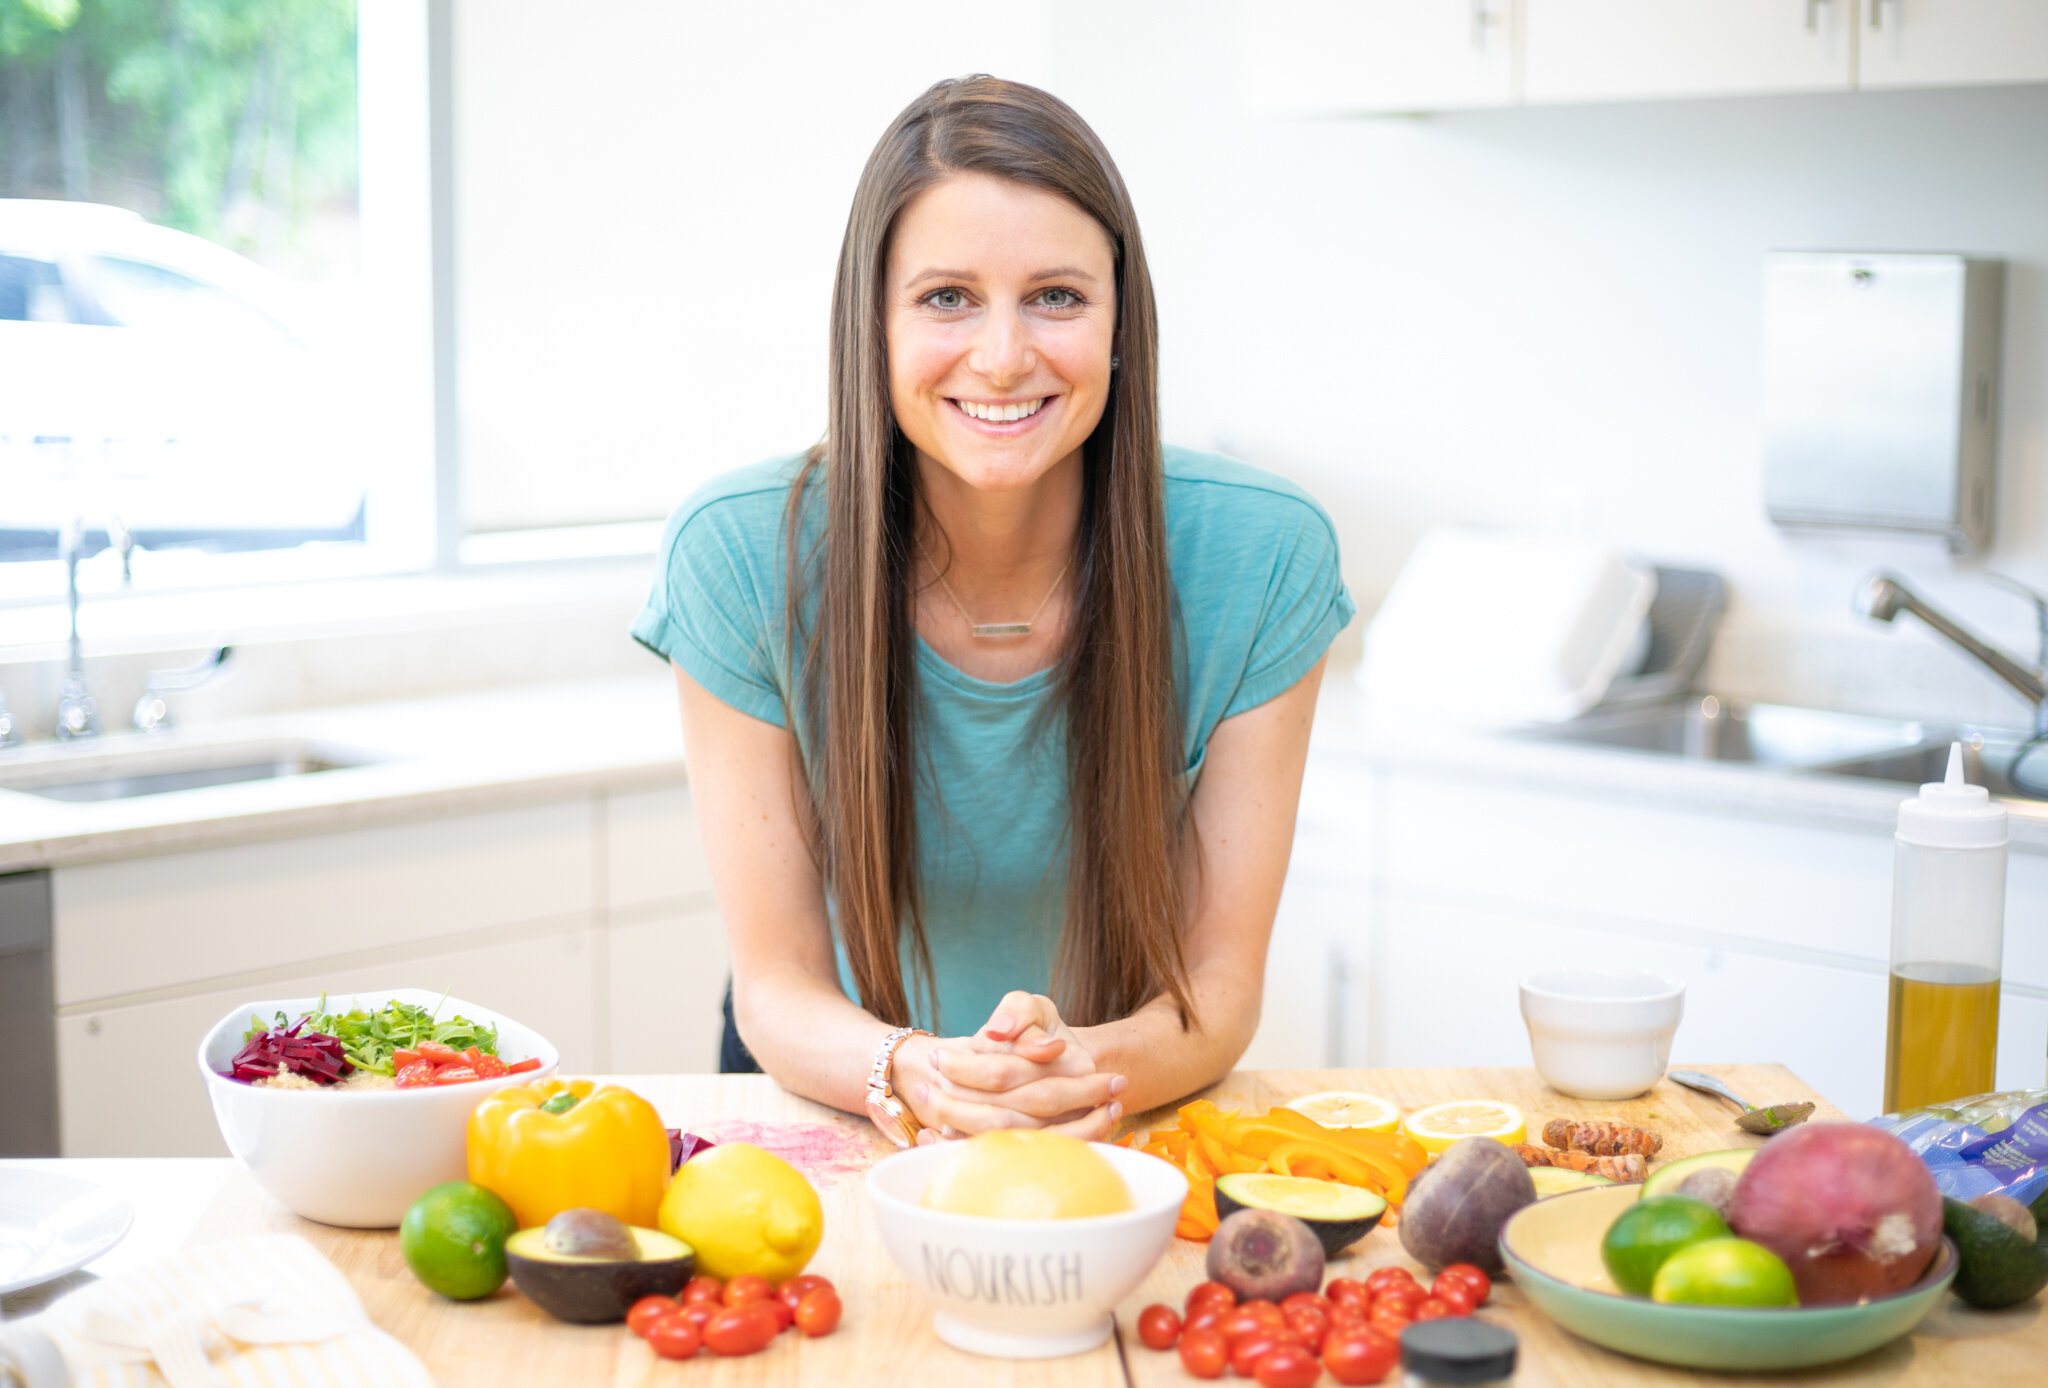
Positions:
(1998, 1268)
(1664, 1180)
(1338, 1215)
(1556, 1180)
(593, 1291)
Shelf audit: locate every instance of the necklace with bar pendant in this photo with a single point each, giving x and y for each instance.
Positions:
(987, 629)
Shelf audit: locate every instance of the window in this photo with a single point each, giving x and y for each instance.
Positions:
(192, 350)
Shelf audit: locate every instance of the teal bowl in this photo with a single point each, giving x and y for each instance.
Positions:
(1553, 1250)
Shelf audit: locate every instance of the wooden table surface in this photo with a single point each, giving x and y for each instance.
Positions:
(886, 1335)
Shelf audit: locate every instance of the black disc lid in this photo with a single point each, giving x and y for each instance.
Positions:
(1458, 1349)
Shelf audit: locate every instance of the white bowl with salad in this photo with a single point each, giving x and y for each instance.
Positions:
(348, 1108)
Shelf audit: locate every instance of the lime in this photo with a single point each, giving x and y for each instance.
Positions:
(453, 1239)
(744, 1210)
(1650, 1231)
(1725, 1272)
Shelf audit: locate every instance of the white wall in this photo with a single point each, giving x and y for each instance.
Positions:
(1544, 317)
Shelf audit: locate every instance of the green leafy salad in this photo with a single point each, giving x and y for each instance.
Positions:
(369, 1039)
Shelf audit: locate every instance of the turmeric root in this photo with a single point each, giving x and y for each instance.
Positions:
(1601, 1138)
(1627, 1168)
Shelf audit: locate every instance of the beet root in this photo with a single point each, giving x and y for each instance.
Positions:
(1263, 1255)
(1851, 1210)
(1456, 1208)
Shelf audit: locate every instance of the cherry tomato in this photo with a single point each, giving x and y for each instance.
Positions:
(1158, 1326)
(413, 1076)
(699, 1313)
(1359, 1356)
(649, 1309)
(792, 1292)
(818, 1313)
(1311, 1323)
(1246, 1353)
(1454, 1294)
(1289, 1366)
(1406, 1296)
(1209, 1293)
(702, 1289)
(674, 1336)
(1203, 1353)
(1379, 1279)
(439, 1052)
(784, 1313)
(1390, 1322)
(1435, 1309)
(745, 1288)
(1321, 1303)
(740, 1330)
(1343, 1289)
(1475, 1278)
(1208, 1318)
(403, 1057)
(1248, 1320)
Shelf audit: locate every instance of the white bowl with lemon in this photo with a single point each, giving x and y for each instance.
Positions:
(1025, 1241)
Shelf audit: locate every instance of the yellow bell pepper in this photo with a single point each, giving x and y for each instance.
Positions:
(570, 1144)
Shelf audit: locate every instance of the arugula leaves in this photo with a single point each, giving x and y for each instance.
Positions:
(368, 1038)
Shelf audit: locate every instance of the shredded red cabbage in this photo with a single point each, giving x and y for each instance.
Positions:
(313, 1054)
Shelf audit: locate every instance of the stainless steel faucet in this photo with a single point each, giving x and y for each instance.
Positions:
(1883, 597)
(77, 716)
(152, 714)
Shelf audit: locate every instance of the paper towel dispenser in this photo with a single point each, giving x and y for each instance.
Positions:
(1881, 392)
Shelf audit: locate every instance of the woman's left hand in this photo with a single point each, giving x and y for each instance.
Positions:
(1025, 1068)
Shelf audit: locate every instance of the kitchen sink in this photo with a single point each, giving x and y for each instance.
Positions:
(1708, 728)
(117, 772)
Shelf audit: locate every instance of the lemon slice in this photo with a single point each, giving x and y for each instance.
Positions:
(1439, 1125)
(1340, 1108)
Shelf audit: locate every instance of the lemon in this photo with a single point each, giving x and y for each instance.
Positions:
(744, 1210)
(453, 1239)
(1439, 1125)
(1646, 1235)
(1338, 1108)
(1725, 1272)
(1026, 1174)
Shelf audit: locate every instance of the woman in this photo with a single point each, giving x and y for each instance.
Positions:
(987, 699)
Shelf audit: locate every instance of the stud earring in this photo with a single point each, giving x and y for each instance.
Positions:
(1115, 362)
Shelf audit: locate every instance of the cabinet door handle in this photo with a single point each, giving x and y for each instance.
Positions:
(1813, 14)
(1877, 14)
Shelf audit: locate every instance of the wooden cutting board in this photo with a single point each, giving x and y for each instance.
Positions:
(884, 1338)
(1954, 1345)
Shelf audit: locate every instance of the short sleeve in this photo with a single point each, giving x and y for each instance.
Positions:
(714, 608)
(1306, 605)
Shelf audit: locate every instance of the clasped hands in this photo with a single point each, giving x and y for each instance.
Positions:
(1025, 1068)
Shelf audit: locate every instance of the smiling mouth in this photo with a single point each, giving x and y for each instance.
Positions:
(1005, 413)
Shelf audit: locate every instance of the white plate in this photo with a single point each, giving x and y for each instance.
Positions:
(51, 1224)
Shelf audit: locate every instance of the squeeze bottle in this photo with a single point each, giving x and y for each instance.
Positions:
(1948, 939)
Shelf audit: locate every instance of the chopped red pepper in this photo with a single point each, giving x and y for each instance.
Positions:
(455, 1074)
(439, 1052)
(400, 1059)
(532, 1062)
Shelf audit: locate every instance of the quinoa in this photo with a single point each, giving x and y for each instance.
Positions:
(357, 1079)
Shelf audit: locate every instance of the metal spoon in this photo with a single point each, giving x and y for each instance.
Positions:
(1762, 1121)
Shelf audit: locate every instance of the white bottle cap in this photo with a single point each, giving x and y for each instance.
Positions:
(1952, 813)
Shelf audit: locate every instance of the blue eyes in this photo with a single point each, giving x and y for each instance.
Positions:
(1057, 298)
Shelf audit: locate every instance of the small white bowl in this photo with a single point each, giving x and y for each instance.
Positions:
(1024, 1288)
(1601, 1035)
(356, 1158)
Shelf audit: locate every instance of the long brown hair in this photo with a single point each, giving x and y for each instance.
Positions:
(1120, 944)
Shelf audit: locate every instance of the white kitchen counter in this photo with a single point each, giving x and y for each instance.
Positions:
(1346, 732)
(447, 755)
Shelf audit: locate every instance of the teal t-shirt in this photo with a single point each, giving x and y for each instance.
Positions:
(1254, 568)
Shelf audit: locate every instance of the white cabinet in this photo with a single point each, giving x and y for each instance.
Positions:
(1607, 50)
(587, 919)
(1929, 43)
(1417, 899)
(1322, 57)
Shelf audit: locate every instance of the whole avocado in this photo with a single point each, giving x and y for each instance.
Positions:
(1998, 1268)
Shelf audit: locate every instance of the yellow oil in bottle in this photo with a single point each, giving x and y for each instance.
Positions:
(1941, 1034)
